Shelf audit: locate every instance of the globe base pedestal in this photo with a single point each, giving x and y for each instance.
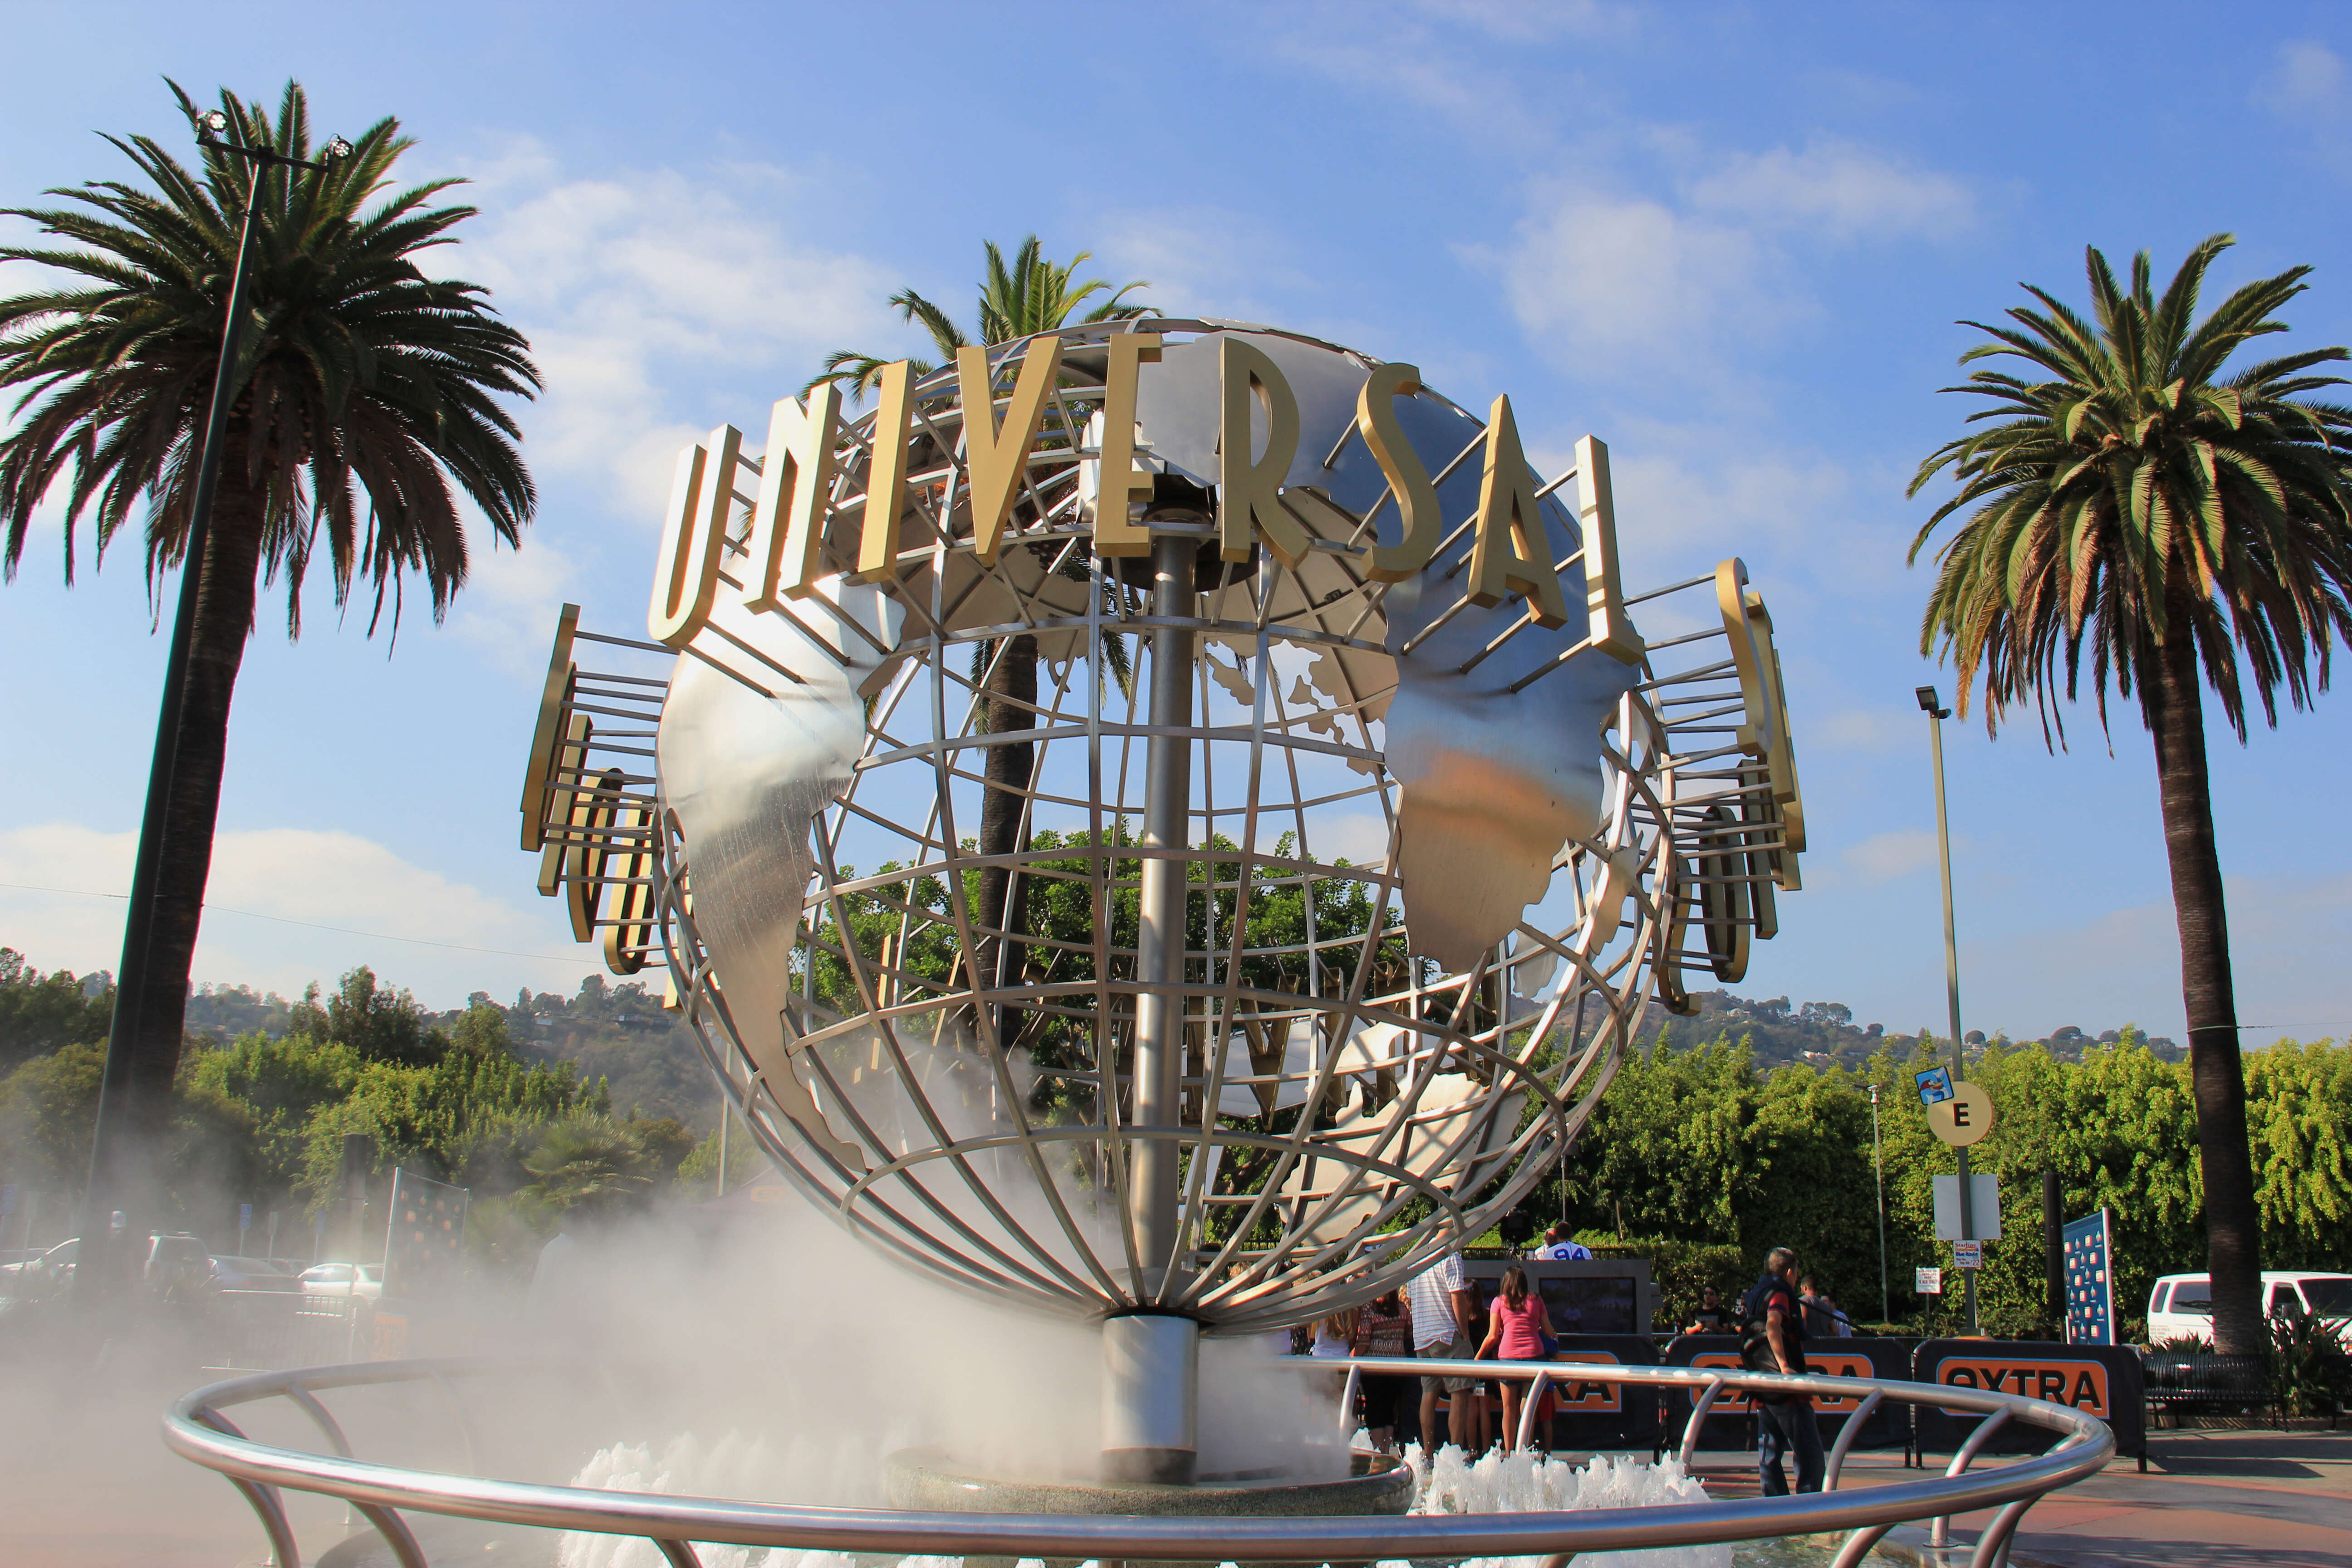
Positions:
(928, 1479)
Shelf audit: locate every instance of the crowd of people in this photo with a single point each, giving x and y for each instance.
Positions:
(1440, 1316)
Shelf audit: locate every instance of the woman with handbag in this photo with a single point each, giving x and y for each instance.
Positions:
(1516, 1332)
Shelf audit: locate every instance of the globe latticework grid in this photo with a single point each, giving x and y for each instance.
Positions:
(1350, 1110)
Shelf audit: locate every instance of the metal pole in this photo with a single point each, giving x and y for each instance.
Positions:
(726, 1115)
(1150, 1359)
(112, 1145)
(1935, 717)
(1160, 955)
(2053, 1257)
(1878, 1165)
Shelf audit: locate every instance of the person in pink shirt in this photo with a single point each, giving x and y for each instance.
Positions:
(1516, 1331)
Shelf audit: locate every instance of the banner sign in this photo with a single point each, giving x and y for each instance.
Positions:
(2098, 1380)
(1927, 1281)
(1728, 1420)
(1968, 1255)
(1596, 1416)
(426, 1239)
(2089, 1282)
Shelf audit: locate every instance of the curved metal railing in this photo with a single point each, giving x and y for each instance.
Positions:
(196, 1428)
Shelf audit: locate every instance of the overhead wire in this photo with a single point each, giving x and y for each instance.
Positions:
(313, 925)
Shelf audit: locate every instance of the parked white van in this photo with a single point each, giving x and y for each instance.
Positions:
(2181, 1305)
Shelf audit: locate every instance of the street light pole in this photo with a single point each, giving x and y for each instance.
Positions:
(1937, 714)
(1878, 1163)
(117, 1168)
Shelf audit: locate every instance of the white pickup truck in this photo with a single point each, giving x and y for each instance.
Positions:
(2180, 1306)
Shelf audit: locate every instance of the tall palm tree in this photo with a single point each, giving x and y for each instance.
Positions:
(359, 373)
(2189, 529)
(1032, 295)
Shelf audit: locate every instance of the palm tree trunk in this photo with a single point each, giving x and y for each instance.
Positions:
(1010, 769)
(2175, 707)
(225, 599)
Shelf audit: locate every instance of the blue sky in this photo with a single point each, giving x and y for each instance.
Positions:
(1731, 240)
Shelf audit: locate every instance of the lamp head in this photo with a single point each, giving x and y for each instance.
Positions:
(336, 149)
(1927, 696)
(213, 121)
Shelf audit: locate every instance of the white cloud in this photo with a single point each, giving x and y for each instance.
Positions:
(1199, 261)
(636, 287)
(2308, 76)
(2309, 88)
(1883, 856)
(424, 930)
(1834, 187)
(2125, 965)
(1628, 283)
(1867, 730)
(1667, 282)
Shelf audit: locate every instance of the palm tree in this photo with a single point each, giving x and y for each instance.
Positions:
(1032, 295)
(2189, 528)
(359, 373)
(590, 1165)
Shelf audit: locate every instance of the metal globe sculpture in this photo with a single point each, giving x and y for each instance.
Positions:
(1165, 822)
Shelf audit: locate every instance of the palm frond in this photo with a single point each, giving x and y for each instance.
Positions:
(2123, 480)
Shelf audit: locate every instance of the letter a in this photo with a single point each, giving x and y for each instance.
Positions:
(1512, 553)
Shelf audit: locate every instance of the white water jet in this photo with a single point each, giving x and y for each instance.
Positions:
(1496, 1482)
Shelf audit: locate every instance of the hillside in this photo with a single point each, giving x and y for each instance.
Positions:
(620, 1033)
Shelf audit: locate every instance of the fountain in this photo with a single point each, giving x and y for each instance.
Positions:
(1165, 823)
(1171, 827)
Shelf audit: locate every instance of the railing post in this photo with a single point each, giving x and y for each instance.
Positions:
(1699, 1407)
(1527, 1416)
(1846, 1436)
(1941, 1534)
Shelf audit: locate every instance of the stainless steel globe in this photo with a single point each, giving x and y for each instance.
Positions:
(1188, 934)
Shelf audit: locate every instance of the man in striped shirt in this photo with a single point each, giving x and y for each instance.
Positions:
(1442, 1308)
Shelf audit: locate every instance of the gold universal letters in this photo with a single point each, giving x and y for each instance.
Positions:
(1512, 551)
(1408, 477)
(996, 456)
(1121, 485)
(886, 475)
(795, 486)
(685, 579)
(1604, 588)
(783, 547)
(1249, 494)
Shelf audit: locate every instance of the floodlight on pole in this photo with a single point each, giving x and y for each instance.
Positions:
(1937, 714)
(113, 1145)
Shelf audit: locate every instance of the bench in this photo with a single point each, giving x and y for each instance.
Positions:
(2193, 1381)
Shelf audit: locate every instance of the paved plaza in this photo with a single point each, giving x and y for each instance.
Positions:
(85, 1483)
(2230, 1500)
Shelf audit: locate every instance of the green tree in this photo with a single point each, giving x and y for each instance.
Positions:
(381, 1024)
(590, 1166)
(39, 1012)
(364, 387)
(1031, 295)
(2187, 528)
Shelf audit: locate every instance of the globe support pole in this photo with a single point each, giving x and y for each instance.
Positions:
(1151, 1359)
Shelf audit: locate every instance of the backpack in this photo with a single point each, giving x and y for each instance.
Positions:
(1755, 1338)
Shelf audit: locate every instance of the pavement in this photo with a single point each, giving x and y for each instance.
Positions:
(2226, 1499)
